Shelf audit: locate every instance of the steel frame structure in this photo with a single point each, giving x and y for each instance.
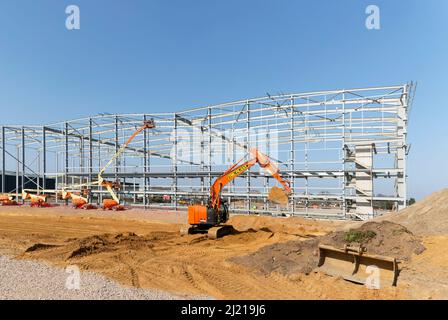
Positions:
(340, 149)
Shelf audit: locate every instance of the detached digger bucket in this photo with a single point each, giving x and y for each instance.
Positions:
(353, 264)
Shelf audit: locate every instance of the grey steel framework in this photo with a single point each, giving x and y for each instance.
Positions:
(344, 152)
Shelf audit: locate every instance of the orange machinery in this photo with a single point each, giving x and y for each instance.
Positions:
(7, 200)
(37, 200)
(211, 218)
(114, 203)
(78, 201)
(108, 204)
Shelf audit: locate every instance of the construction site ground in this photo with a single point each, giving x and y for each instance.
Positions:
(144, 249)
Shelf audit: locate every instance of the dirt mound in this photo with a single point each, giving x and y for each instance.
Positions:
(299, 256)
(109, 242)
(286, 258)
(383, 238)
(39, 246)
(80, 247)
(428, 217)
(292, 225)
(247, 236)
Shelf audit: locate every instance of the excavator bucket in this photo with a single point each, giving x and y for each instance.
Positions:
(277, 195)
(354, 264)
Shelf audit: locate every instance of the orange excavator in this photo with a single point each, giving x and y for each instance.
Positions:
(210, 219)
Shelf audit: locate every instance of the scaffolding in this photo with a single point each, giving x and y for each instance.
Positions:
(344, 152)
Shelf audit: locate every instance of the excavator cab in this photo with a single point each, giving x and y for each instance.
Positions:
(206, 219)
(206, 215)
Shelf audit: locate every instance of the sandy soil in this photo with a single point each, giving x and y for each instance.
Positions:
(144, 249)
(428, 217)
(426, 277)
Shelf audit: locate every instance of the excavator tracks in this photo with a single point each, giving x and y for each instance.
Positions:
(212, 233)
(219, 232)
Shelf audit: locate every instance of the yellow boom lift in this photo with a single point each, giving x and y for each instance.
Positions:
(108, 204)
(114, 203)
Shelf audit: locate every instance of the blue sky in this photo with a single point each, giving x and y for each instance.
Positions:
(152, 56)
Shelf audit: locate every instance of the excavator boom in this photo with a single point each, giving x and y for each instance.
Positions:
(236, 170)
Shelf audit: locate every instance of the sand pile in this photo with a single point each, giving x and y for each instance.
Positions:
(286, 258)
(427, 217)
(80, 247)
(385, 238)
(292, 225)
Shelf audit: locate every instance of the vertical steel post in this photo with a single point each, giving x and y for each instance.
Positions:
(210, 147)
(90, 158)
(17, 173)
(344, 162)
(175, 161)
(202, 159)
(3, 160)
(248, 199)
(44, 157)
(292, 157)
(117, 160)
(23, 161)
(100, 189)
(400, 160)
(66, 161)
(56, 182)
(145, 163)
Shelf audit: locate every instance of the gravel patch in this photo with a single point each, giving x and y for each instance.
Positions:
(24, 279)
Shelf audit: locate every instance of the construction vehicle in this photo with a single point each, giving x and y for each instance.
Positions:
(114, 203)
(37, 200)
(78, 201)
(210, 218)
(7, 200)
(355, 264)
(108, 204)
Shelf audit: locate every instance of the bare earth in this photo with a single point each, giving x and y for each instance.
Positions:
(144, 250)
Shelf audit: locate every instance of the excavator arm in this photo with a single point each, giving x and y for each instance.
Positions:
(146, 125)
(237, 169)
